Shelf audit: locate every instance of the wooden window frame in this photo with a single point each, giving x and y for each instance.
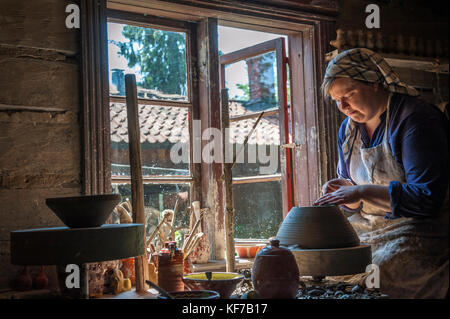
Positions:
(314, 27)
(134, 19)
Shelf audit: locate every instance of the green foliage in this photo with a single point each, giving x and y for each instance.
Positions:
(161, 56)
(245, 88)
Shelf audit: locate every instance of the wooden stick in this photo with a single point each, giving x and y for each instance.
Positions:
(248, 136)
(197, 224)
(137, 188)
(191, 248)
(156, 230)
(228, 180)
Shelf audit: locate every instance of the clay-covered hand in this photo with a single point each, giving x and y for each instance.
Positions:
(344, 195)
(334, 184)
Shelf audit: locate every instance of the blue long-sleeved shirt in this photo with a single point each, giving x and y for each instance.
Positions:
(418, 136)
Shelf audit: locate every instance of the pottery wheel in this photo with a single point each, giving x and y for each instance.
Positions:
(332, 262)
(64, 245)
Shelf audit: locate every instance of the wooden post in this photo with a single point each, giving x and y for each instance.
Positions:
(137, 188)
(228, 180)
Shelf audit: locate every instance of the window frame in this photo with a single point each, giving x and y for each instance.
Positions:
(315, 25)
(165, 24)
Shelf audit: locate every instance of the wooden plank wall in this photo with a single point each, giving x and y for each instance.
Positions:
(39, 126)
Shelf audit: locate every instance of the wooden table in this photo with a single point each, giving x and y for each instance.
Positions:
(63, 245)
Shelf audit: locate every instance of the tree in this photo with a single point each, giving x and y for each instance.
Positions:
(161, 56)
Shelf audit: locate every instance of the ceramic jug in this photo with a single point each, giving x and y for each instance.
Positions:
(275, 272)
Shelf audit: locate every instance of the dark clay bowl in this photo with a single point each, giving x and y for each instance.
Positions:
(195, 294)
(83, 211)
(317, 227)
(222, 282)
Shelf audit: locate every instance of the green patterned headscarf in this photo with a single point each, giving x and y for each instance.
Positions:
(366, 65)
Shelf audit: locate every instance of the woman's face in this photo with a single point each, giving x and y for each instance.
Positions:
(355, 99)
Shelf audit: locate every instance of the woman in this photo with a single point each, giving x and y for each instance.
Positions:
(392, 173)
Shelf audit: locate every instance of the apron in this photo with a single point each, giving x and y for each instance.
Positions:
(411, 253)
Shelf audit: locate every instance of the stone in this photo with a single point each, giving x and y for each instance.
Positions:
(316, 292)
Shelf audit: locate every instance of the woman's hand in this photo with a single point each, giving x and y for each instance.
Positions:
(334, 184)
(344, 195)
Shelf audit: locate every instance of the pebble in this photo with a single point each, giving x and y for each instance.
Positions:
(357, 288)
(341, 286)
(345, 296)
(316, 292)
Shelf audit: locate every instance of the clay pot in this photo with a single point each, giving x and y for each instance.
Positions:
(248, 251)
(275, 272)
(23, 281)
(41, 280)
(170, 267)
(222, 282)
(317, 227)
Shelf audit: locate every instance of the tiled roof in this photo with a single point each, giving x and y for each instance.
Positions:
(159, 124)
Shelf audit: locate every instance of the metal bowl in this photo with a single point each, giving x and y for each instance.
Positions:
(83, 211)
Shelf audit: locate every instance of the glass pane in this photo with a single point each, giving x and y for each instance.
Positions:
(252, 84)
(261, 155)
(157, 198)
(258, 209)
(164, 140)
(157, 57)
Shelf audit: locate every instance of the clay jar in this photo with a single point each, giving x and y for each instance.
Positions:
(275, 272)
(317, 227)
(170, 267)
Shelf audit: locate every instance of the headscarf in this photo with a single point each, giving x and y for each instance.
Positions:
(366, 65)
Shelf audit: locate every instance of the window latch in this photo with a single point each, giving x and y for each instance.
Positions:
(291, 145)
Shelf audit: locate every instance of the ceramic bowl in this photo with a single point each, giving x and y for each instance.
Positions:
(194, 294)
(222, 282)
(248, 251)
(317, 227)
(83, 211)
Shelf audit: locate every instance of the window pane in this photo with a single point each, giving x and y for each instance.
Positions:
(157, 57)
(252, 84)
(158, 197)
(164, 140)
(258, 209)
(261, 155)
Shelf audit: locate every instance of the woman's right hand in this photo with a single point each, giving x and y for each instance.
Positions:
(334, 184)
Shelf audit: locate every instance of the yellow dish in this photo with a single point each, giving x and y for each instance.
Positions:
(215, 276)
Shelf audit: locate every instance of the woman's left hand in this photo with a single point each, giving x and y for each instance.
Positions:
(342, 196)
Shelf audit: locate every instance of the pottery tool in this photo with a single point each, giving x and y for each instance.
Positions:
(159, 289)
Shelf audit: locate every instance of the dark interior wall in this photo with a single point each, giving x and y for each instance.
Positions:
(39, 149)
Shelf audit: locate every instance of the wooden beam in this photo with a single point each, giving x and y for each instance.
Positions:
(228, 182)
(137, 187)
(96, 163)
(210, 116)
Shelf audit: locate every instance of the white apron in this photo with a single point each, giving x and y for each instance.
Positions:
(412, 254)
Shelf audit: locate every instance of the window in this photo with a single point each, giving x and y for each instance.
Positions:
(256, 79)
(159, 56)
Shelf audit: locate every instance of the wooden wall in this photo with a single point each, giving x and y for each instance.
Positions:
(39, 109)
